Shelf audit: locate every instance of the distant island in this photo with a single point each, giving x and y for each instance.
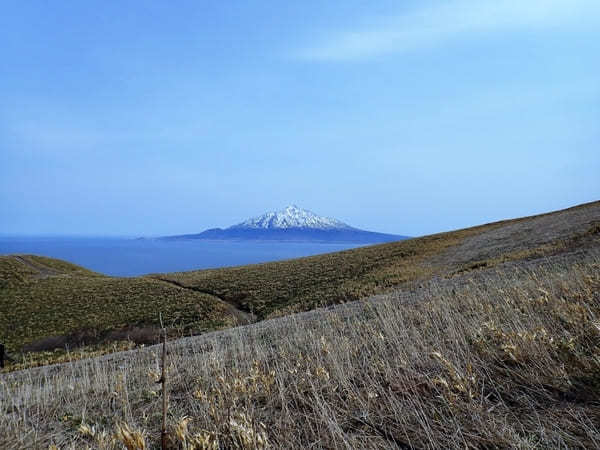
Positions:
(291, 224)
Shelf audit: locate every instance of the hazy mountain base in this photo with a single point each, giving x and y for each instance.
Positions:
(295, 234)
(497, 357)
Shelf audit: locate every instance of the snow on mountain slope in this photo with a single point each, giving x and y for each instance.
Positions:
(291, 217)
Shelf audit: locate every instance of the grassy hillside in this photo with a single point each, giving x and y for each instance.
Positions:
(506, 356)
(275, 289)
(46, 304)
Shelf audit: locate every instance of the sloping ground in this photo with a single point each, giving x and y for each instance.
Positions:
(528, 237)
(46, 304)
(496, 357)
(275, 289)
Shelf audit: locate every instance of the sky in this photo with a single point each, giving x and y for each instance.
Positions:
(155, 118)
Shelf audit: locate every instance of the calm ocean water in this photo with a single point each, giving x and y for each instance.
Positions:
(131, 257)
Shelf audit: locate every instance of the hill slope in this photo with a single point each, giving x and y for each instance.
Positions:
(278, 288)
(47, 304)
(67, 304)
(503, 352)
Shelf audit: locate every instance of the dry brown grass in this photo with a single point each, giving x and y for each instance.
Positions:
(507, 357)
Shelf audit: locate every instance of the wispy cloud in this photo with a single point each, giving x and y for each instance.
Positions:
(432, 25)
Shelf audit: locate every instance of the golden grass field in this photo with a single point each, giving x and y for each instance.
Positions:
(487, 337)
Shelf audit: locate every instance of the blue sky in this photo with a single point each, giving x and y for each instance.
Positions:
(150, 118)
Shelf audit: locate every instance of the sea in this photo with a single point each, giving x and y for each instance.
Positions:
(129, 257)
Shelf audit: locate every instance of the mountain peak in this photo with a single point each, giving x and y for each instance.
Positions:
(292, 224)
(291, 216)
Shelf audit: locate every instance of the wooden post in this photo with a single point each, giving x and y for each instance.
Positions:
(163, 379)
(1, 356)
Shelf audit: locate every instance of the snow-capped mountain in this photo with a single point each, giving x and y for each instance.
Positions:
(292, 224)
(291, 217)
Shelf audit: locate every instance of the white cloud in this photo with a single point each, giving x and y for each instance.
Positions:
(429, 26)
